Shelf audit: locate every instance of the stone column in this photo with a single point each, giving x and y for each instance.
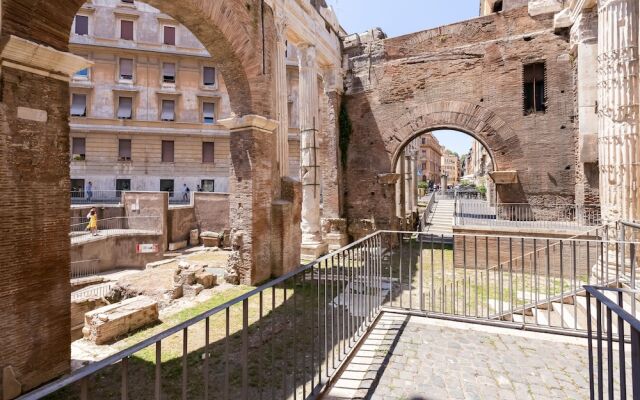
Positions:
(282, 98)
(401, 191)
(408, 184)
(414, 186)
(252, 188)
(618, 141)
(312, 243)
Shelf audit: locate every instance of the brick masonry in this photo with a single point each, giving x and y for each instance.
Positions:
(467, 77)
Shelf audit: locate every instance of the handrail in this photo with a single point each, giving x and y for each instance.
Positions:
(596, 291)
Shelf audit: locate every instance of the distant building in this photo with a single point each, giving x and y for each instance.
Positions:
(450, 165)
(429, 158)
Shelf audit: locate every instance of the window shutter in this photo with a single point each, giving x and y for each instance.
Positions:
(79, 105)
(170, 35)
(82, 25)
(125, 108)
(168, 110)
(208, 112)
(78, 146)
(167, 151)
(124, 149)
(208, 152)
(126, 68)
(169, 72)
(126, 30)
(209, 76)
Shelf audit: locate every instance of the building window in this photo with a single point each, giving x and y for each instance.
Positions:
(126, 69)
(208, 152)
(167, 151)
(122, 185)
(127, 1)
(168, 110)
(209, 113)
(534, 88)
(124, 149)
(82, 74)
(209, 76)
(78, 105)
(78, 149)
(125, 107)
(77, 188)
(208, 185)
(166, 185)
(169, 72)
(170, 35)
(82, 25)
(126, 29)
(497, 6)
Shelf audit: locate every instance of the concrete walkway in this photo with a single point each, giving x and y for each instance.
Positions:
(419, 358)
(440, 221)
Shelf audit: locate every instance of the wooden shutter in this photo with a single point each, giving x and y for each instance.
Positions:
(168, 110)
(209, 76)
(126, 30)
(208, 152)
(170, 35)
(126, 68)
(82, 25)
(169, 72)
(167, 151)
(209, 113)
(124, 149)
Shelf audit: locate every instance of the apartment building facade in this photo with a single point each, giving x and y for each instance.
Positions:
(450, 165)
(429, 158)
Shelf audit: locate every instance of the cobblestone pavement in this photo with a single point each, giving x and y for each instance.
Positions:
(418, 358)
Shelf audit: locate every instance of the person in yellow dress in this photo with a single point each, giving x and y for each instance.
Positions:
(93, 222)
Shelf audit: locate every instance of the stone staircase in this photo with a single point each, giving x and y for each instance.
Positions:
(568, 312)
(440, 221)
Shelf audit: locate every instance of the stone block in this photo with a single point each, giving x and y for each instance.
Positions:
(206, 279)
(541, 7)
(191, 291)
(177, 245)
(194, 237)
(105, 324)
(210, 239)
(588, 148)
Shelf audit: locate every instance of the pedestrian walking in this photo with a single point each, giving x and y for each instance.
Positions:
(185, 192)
(93, 222)
(89, 191)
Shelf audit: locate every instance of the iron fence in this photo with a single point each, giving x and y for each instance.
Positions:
(117, 226)
(99, 290)
(623, 368)
(84, 268)
(469, 212)
(427, 211)
(285, 339)
(94, 197)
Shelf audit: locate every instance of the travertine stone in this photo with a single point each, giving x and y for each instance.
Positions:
(618, 136)
(282, 101)
(107, 323)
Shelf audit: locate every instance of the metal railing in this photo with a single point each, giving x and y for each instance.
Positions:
(610, 317)
(284, 339)
(115, 197)
(290, 336)
(84, 268)
(424, 218)
(99, 290)
(117, 226)
(469, 212)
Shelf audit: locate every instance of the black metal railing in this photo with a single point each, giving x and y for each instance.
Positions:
(617, 345)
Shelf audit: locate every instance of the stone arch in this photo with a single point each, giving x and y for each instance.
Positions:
(482, 124)
(238, 35)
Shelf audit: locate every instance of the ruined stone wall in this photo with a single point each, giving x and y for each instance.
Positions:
(118, 251)
(212, 211)
(466, 76)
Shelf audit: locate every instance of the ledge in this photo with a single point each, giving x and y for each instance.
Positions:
(504, 177)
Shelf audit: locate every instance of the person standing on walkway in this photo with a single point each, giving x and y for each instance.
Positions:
(89, 191)
(185, 192)
(93, 222)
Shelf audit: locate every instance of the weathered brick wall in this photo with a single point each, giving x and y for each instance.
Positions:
(465, 76)
(34, 227)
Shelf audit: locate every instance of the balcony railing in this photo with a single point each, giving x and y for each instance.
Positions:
(289, 337)
(115, 226)
(115, 197)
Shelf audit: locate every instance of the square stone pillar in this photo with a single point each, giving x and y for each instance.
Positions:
(252, 192)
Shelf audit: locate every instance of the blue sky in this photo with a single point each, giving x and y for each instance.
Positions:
(400, 17)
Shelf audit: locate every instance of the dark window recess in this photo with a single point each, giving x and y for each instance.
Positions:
(78, 149)
(122, 185)
(77, 188)
(166, 185)
(209, 113)
(124, 149)
(208, 185)
(167, 151)
(126, 68)
(497, 6)
(125, 107)
(82, 25)
(170, 35)
(208, 152)
(169, 73)
(78, 105)
(128, 1)
(126, 30)
(209, 76)
(534, 90)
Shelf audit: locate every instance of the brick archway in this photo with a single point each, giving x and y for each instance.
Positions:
(496, 136)
(238, 35)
